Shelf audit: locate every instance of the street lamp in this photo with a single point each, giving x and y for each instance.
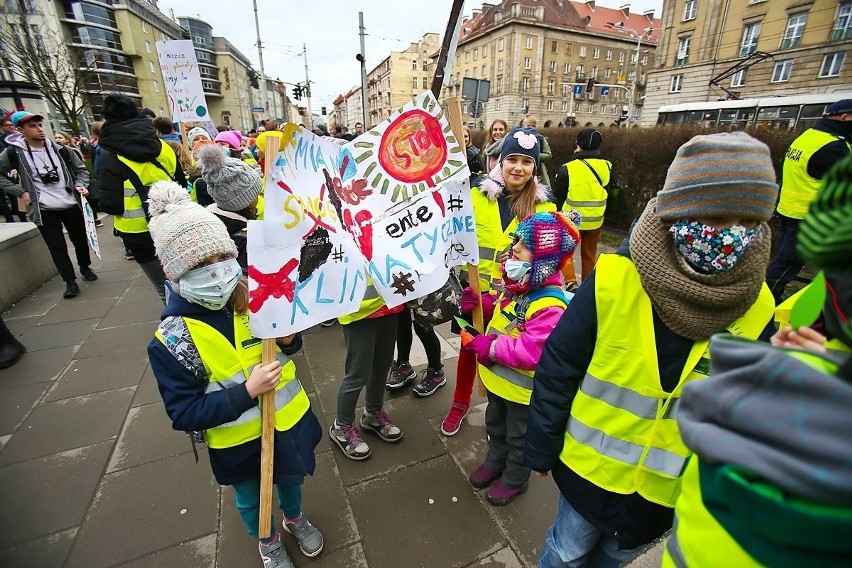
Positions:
(619, 26)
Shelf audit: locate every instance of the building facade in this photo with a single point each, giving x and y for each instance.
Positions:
(539, 55)
(233, 108)
(718, 49)
(400, 77)
(142, 26)
(201, 34)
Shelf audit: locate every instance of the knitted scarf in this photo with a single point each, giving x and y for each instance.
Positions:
(692, 304)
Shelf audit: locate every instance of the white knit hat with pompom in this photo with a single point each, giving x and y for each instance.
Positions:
(185, 233)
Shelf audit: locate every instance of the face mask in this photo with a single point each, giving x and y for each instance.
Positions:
(211, 286)
(516, 269)
(708, 249)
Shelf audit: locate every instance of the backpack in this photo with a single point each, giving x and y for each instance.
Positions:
(546, 292)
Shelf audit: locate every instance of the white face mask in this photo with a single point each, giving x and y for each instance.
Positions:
(516, 269)
(211, 286)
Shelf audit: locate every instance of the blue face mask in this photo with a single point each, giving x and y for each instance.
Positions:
(516, 269)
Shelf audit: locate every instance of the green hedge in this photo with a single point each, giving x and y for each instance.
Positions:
(641, 157)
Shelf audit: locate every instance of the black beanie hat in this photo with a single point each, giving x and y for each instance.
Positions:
(589, 139)
(118, 107)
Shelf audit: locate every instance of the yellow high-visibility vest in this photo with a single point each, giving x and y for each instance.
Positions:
(228, 366)
(622, 434)
(585, 194)
(798, 189)
(370, 304)
(133, 219)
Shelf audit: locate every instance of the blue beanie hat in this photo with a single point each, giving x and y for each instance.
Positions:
(521, 142)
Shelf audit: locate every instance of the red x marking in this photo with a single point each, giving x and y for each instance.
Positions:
(275, 285)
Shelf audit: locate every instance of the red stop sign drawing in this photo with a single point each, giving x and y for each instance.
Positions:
(413, 148)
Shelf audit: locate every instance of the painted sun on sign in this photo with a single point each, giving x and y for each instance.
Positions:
(410, 154)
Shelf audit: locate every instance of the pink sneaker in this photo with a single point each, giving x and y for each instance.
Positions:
(500, 495)
(452, 421)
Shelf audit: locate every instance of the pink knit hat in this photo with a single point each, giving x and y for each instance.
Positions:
(232, 137)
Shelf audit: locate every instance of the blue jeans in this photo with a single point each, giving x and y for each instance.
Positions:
(247, 496)
(574, 542)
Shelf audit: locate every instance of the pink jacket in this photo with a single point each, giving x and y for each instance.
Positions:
(524, 351)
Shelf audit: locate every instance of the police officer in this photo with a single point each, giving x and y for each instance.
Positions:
(808, 159)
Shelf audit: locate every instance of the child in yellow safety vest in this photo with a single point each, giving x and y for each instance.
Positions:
(209, 370)
(521, 319)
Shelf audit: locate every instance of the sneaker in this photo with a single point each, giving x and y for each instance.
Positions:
(432, 380)
(274, 555)
(482, 477)
(380, 424)
(71, 289)
(500, 494)
(128, 255)
(400, 375)
(88, 275)
(99, 223)
(329, 323)
(349, 441)
(309, 538)
(452, 421)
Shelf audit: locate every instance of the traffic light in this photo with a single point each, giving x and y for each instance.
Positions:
(590, 84)
(297, 92)
(324, 113)
(306, 90)
(623, 116)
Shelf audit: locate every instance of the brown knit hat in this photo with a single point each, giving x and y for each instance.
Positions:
(719, 175)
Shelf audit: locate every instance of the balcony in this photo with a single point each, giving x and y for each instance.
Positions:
(748, 49)
(790, 43)
(841, 35)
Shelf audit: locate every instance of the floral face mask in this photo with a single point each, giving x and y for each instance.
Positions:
(708, 249)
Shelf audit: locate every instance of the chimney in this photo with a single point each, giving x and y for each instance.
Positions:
(591, 4)
(626, 9)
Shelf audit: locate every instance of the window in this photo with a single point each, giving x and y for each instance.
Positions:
(621, 57)
(499, 85)
(497, 104)
(156, 87)
(831, 64)
(750, 35)
(525, 103)
(614, 109)
(782, 70)
(739, 78)
(843, 26)
(551, 86)
(528, 42)
(683, 44)
(644, 60)
(414, 65)
(569, 48)
(527, 63)
(483, 71)
(594, 72)
(484, 51)
(565, 88)
(603, 109)
(609, 55)
(467, 57)
(633, 57)
(567, 67)
(564, 106)
(794, 31)
(554, 47)
(576, 107)
(553, 67)
(414, 82)
(499, 65)
(425, 65)
(690, 9)
(591, 108)
(500, 44)
(550, 105)
(144, 26)
(607, 72)
(580, 69)
(148, 46)
(677, 84)
(582, 51)
(476, 54)
(473, 72)
(458, 60)
(525, 85)
(425, 83)
(151, 65)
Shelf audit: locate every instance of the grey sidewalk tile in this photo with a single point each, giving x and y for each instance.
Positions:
(41, 337)
(16, 403)
(326, 385)
(75, 311)
(504, 558)
(148, 436)
(110, 341)
(135, 294)
(67, 424)
(198, 553)
(124, 314)
(19, 326)
(147, 391)
(419, 443)
(40, 301)
(469, 446)
(45, 552)
(423, 515)
(107, 273)
(349, 557)
(145, 509)
(36, 367)
(97, 290)
(98, 374)
(49, 494)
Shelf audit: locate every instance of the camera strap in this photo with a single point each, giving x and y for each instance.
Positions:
(49, 157)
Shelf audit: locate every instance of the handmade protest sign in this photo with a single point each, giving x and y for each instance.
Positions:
(385, 215)
(91, 229)
(183, 80)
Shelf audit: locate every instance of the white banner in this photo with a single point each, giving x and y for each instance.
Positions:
(183, 81)
(91, 229)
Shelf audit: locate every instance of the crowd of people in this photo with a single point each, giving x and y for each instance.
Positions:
(656, 388)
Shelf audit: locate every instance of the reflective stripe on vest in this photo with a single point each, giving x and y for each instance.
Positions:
(585, 194)
(229, 366)
(798, 189)
(622, 434)
(493, 240)
(506, 382)
(672, 551)
(133, 219)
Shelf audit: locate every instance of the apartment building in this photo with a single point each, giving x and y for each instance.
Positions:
(233, 108)
(400, 76)
(539, 56)
(718, 49)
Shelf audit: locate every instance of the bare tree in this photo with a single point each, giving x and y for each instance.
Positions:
(36, 54)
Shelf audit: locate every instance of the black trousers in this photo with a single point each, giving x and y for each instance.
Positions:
(51, 232)
(787, 262)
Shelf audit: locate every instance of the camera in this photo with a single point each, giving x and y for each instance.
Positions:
(50, 176)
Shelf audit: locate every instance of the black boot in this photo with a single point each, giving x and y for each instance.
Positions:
(71, 289)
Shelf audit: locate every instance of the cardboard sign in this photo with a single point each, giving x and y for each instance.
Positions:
(91, 230)
(183, 80)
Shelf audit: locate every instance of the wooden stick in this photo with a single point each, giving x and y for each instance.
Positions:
(438, 79)
(267, 404)
(185, 144)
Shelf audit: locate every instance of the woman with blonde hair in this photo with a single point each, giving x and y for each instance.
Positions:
(491, 148)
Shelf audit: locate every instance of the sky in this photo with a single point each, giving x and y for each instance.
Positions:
(329, 30)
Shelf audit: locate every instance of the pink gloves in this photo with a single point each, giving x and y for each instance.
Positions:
(469, 301)
(481, 347)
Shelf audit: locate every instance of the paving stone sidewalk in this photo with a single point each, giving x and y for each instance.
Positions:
(92, 475)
